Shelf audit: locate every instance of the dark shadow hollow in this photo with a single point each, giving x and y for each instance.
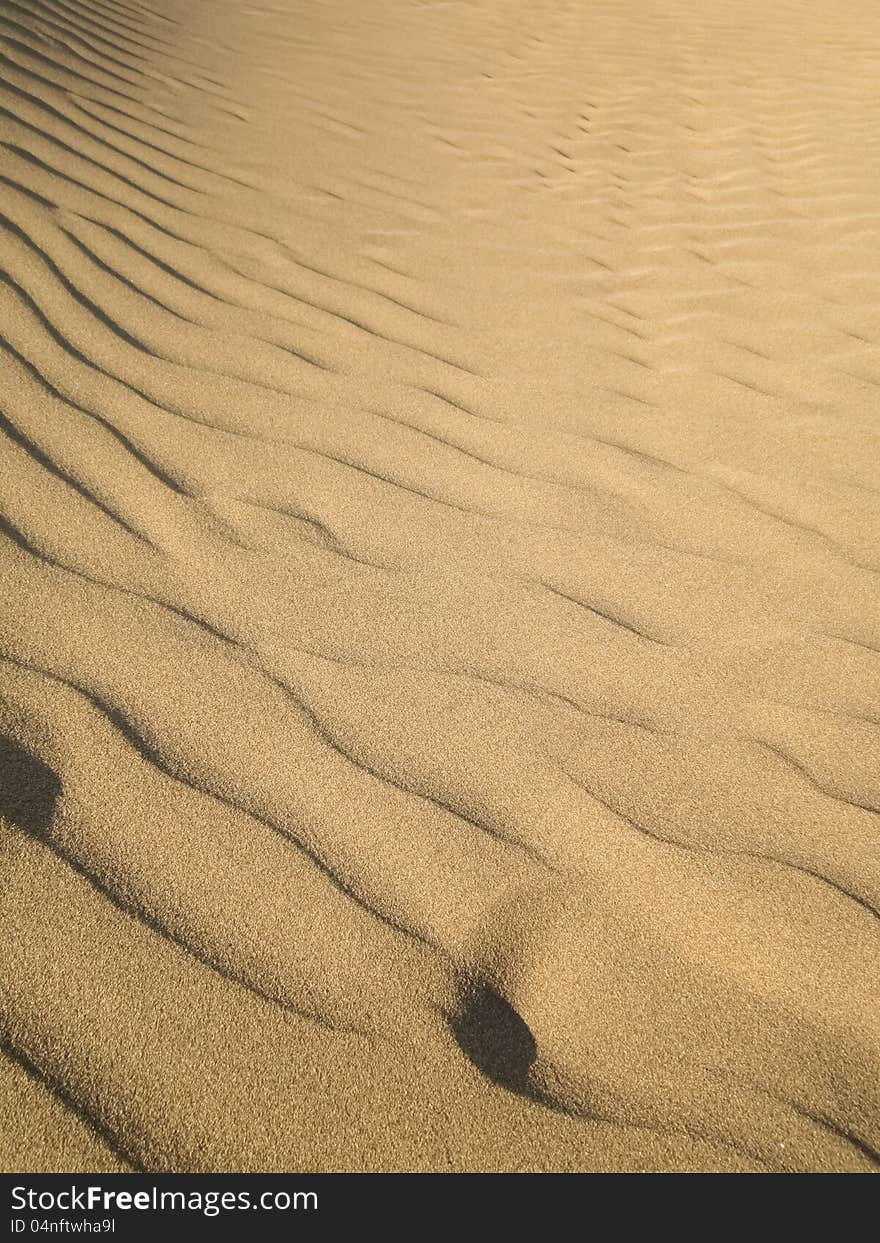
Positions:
(28, 789)
(495, 1038)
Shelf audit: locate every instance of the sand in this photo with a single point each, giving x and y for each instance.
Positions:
(440, 565)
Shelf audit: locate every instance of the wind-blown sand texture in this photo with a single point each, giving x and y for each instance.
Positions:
(440, 680)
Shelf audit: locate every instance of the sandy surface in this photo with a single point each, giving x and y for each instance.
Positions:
(440, 562)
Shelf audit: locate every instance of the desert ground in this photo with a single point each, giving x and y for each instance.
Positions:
(440, 585)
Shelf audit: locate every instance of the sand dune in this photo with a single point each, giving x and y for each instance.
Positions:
(440, 561)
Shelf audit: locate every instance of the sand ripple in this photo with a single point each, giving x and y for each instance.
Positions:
(439, 642)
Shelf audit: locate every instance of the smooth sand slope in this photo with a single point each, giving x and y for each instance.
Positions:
(440, 562)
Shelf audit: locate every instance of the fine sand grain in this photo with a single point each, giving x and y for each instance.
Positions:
(440, 585)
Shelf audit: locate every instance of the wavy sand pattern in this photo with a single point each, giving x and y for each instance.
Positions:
(440, 550)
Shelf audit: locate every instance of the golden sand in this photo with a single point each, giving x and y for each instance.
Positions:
(440, 566)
